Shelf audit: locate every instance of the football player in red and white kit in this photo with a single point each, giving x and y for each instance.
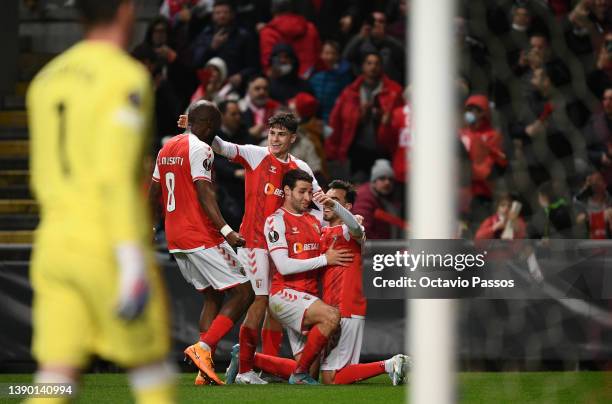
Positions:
(343, 289)
(264, 171)
(293, 239)
(198, 236)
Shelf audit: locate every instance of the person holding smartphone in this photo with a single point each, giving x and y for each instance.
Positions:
(505, 223)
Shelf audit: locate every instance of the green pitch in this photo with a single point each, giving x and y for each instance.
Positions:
(523, 387)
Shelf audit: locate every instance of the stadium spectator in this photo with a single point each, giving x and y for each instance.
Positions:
(598, 136)
(547, 123)
(399, 131)
(375, 202)
(484, 145)
(372, 38)
(600, 77)
(505, 223)
(358, 117)
(397, 12)
(213, 85)
(473, 57)
(257, 107)
(554, 218)
(181, 11)
(591, 18)
(294, 30)
(172, 50)
(330, 77)
(283, 74)
(225, 39)
(230, 174)
(305, 106)
(593, 206)
(166, 100)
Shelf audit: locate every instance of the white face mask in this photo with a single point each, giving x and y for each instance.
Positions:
(470, 117)
(519, 28)
(285, 69)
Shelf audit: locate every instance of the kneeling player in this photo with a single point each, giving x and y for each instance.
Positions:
(293, 237)
(342, 288)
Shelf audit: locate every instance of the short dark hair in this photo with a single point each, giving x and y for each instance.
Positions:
(365, 55)
(284, 119)
(226, 3)
(224, 104)
(347, 187)
(333, 44)
(95, 12)
(257, 76)
(291, 178)
(206, 108)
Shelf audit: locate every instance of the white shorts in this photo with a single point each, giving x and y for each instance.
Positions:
(217, 267)
(297, 340)
(348, 349)
(256, 263)
(288, 307)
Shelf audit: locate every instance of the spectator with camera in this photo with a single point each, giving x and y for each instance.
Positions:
(505, 223)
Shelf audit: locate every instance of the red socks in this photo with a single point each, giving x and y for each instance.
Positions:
(281, 367)
(248, 345)
(212, 349)
(271, 341)
(361, 371)
(219, 327)
(314, 344)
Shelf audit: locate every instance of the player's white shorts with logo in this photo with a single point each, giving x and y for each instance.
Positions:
(348, 349)
(217, 267)
(288, 307)
(256, 263)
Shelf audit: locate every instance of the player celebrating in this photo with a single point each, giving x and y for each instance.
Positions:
(342, 288)
(195, 229)
(89, 110)
(293, 237)
(264, 171)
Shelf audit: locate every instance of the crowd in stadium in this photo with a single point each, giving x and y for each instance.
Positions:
(534, 106)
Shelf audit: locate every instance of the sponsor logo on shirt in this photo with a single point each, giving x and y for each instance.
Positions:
(270, 189)
(299, 247)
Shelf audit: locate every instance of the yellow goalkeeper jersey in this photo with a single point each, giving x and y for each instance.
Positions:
(89, 113)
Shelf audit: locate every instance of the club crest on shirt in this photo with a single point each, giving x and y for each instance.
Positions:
(207, 164)
(273, 236)
(273, 169)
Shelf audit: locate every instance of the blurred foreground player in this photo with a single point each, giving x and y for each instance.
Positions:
(198, 236)
(96, 288)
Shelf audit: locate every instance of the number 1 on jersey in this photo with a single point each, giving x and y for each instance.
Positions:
(61, 111)
(170, 182)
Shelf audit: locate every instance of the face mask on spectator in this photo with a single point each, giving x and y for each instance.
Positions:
(284, 69)
(470, 117)
(519, 28)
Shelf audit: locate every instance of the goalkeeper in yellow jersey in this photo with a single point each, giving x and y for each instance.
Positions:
(96, 288)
